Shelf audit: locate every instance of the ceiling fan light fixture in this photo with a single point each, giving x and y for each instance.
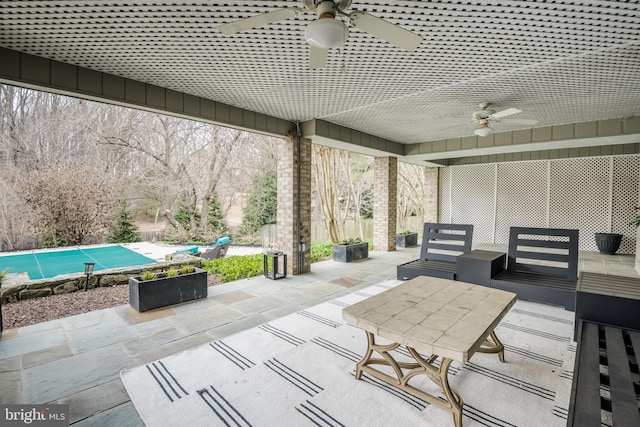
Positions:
(484, 129)
(326, 33)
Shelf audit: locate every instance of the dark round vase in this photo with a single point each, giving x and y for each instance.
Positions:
(608, 243)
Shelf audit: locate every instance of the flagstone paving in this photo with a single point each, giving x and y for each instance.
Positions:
(77, 360)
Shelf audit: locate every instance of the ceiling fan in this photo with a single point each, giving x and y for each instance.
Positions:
(326, 31)
(485, 115)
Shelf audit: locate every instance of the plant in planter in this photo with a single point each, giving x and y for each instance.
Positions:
(350, 250)
(148, 275)
(406, 239)
(187, 268)
(154, 290)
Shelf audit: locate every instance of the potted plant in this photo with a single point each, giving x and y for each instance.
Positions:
(608, 243)
(406, 239)
(350, 250)
(160, 289)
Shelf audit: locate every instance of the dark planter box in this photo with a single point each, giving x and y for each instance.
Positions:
(149, 294)
(608, 243)
(348, 253)
(407, 240)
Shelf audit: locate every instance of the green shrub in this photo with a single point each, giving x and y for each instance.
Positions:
(147, 275)
(245, 266)
(262, 200)
(321, 251)
(123, 230)
(53, 239)
(186, 269)
(235, 267)
(172, 272)
(3, 274)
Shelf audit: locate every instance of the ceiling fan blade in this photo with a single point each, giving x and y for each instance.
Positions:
(259, 20)
(317, 57)
(505, 113)
(524, 122)
(385, 30)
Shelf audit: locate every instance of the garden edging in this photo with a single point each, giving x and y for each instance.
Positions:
(17, 287)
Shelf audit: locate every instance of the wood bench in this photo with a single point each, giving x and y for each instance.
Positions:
(441, 244)
(607, 298)
(606, 380)
(542, 265)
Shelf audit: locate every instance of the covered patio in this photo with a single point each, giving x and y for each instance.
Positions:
(567, 74)
(77, 360)
(488, 91)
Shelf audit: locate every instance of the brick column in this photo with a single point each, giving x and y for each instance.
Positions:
(294, 207)
(431, 194)
(385, 203)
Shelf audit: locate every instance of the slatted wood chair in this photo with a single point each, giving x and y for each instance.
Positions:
(529, 273)
(441, 244)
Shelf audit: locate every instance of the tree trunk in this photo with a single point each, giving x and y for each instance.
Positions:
(171, 220)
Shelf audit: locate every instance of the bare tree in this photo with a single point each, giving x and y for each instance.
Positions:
(36, 129)
(12, 226)
(184, 164)
(360, 179)
(70, 203)
(160, 161)
(332, 177)
(411, 191)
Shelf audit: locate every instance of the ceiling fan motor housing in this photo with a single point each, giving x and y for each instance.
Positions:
(338, 4)
(483, 114)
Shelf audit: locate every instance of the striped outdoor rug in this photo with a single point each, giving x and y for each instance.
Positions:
(300, 370)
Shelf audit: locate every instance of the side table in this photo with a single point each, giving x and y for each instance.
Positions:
(275, 272)
(479, 266)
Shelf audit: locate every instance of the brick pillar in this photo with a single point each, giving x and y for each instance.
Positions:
(432, 191)
(385, 203)
(294, 207)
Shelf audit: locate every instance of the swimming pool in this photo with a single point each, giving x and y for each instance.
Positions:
(47, 264)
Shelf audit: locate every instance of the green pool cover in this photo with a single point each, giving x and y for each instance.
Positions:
(42, 265)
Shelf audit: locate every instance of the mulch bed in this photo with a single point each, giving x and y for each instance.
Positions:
(38, 310)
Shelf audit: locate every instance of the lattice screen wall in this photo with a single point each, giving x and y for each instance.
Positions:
(625, 199)
(579, 197)
(521, 202)
(444, 188)
(478, 204)
(594, 194)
